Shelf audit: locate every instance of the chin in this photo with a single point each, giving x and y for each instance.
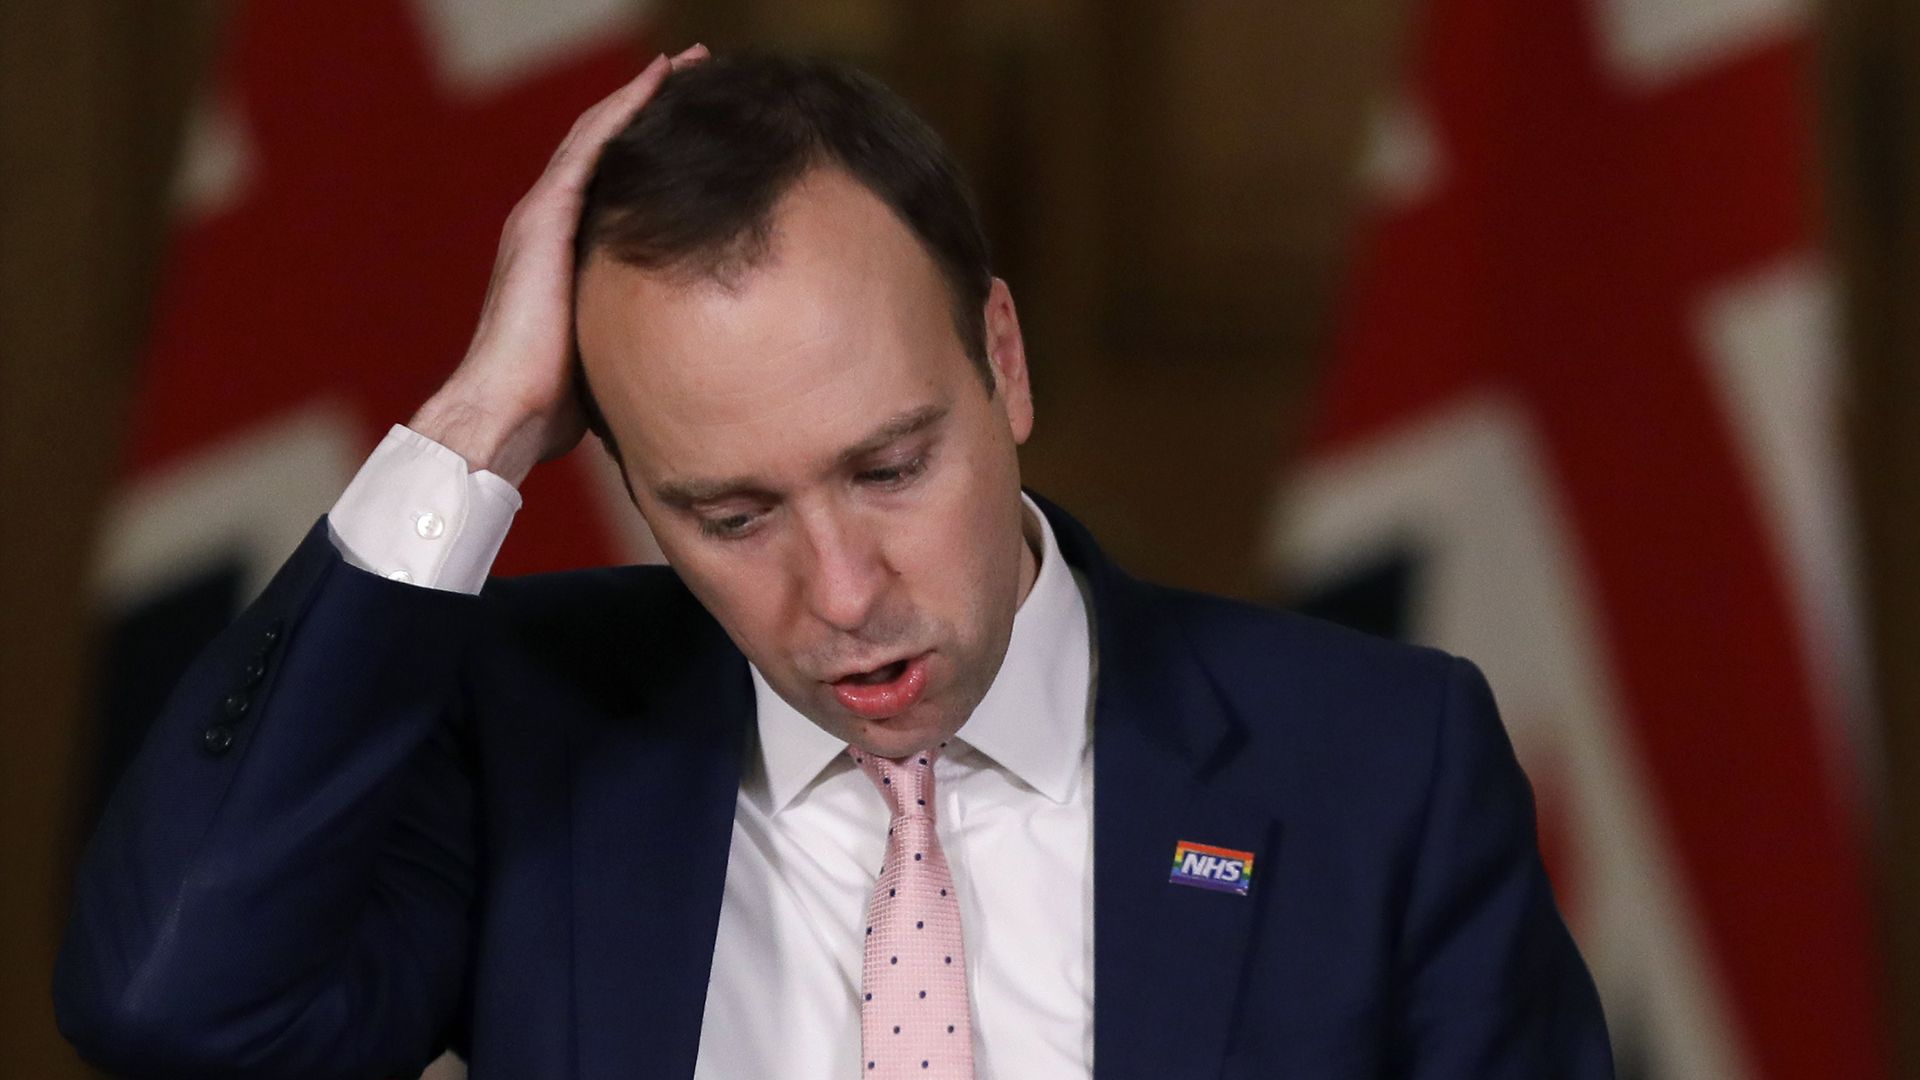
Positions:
(898, 736)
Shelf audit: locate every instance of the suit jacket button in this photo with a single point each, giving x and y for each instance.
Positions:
(255, 670)
(236, 704)
(216, 739)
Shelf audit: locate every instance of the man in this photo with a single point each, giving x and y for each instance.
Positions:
(892, 774)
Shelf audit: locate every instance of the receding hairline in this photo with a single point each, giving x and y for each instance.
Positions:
(757, 247)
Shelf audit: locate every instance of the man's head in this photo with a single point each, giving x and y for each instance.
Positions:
(814, 387)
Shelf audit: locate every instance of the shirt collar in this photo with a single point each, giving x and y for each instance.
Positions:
(1032, 722)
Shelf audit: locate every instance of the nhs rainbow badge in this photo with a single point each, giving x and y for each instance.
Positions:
(1207, 867)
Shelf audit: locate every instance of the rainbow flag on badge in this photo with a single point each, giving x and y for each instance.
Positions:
(1207, 867)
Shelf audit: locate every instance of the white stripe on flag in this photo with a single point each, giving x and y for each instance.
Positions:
(1498, 580)
(481, 44)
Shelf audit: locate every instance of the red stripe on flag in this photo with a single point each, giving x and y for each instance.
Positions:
(353, 265)
(1579, 227)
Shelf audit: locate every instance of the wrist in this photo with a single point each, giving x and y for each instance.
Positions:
(485, 437)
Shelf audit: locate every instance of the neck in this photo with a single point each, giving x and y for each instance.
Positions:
(1029, 552)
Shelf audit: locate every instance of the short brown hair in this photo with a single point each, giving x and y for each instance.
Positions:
(691, 182)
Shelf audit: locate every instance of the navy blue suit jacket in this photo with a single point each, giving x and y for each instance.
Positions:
(376, 819)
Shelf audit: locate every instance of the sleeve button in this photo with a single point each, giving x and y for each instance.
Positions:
(236, 704)
(255, 670)
(272, 634)
(217, 739)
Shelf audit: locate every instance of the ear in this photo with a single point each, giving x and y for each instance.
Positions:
(1007, 356)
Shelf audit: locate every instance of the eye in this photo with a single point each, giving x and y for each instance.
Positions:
(893, 476)
(730, 527)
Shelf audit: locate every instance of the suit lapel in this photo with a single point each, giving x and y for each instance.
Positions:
(654, 785)
(1168, 958)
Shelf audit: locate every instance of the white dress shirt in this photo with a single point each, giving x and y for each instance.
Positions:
(1013, 800)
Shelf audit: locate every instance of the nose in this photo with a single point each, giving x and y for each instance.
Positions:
(843, 570)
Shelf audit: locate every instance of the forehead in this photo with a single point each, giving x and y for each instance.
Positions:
(845, 322)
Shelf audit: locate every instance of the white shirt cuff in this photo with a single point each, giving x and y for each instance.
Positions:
(415, 513)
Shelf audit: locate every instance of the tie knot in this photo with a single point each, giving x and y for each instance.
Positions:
(906, 783)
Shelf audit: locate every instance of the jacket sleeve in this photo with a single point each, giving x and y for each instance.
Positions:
(282, 881)
(1493, 986)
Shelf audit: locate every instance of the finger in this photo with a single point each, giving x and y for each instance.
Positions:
(612, 111)
(689, 56)
(597, 124)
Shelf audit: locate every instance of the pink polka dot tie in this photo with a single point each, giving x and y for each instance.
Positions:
(914, 1019)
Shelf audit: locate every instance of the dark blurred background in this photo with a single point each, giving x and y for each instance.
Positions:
(1577, 336)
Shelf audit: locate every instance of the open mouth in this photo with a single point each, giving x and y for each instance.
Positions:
(879, 675)
(885, 690)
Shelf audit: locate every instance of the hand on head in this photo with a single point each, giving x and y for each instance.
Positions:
(511, 403)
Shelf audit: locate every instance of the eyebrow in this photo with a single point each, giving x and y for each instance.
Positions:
(684, 494)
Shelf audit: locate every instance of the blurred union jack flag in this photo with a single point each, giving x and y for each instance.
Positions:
(340, 196)
(1580, 425)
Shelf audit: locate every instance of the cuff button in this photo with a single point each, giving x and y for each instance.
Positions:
(429, 525)
(217, 739)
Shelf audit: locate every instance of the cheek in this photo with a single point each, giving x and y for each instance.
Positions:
(952, 555)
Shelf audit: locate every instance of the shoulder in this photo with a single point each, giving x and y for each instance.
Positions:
(1282, 673)
(1265, 654)
(601, 617)
(599, 592)
(1316, 699)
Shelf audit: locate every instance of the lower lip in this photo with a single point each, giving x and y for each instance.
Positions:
(877, 701)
